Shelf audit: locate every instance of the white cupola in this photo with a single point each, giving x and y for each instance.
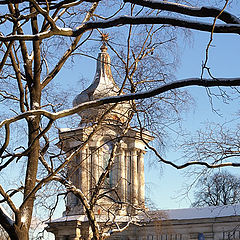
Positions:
(102, 86)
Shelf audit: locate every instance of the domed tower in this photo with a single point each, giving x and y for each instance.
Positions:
(125, 182)
(123, 189)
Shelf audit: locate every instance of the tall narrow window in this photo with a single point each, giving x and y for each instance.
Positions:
(107, 149)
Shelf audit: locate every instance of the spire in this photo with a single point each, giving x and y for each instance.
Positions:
(103, 84)
(104, 38)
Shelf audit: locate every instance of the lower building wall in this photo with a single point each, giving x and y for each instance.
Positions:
(225, 228)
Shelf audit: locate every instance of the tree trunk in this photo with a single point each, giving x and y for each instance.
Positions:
(20, 234)
(34, 85)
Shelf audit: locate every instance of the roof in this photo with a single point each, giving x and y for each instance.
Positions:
(171, 214)
(205, 212)
(103, 84)
(99, 218)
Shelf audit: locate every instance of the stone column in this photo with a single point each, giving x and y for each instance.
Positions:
(88, 171)
(134, 184)
(74, 177)
(94, 162)
(128, 175)
(75, 171)
(141, 179)
(114, 171)
(84, 171)
(122, 174)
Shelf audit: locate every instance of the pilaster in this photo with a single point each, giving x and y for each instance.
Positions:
(94, 166)
(122, 175)
(141, 179)
(84, 172)
(134, 177)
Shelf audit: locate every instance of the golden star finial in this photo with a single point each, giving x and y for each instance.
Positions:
(104, 37)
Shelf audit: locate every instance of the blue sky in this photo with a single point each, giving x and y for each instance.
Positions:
(224, 59)
(164, 182)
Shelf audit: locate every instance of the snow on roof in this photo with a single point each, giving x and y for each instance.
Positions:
(65, 129)
(99, 218)
(206, 212)
(171, 214)
(81, 218)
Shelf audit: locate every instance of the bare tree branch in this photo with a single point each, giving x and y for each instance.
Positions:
(227, 82)
(68, 53)
(125, 20)
(7, 138)
(8, 200)
(187, 10)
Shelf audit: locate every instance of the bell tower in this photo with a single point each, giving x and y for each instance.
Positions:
(123, 189)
